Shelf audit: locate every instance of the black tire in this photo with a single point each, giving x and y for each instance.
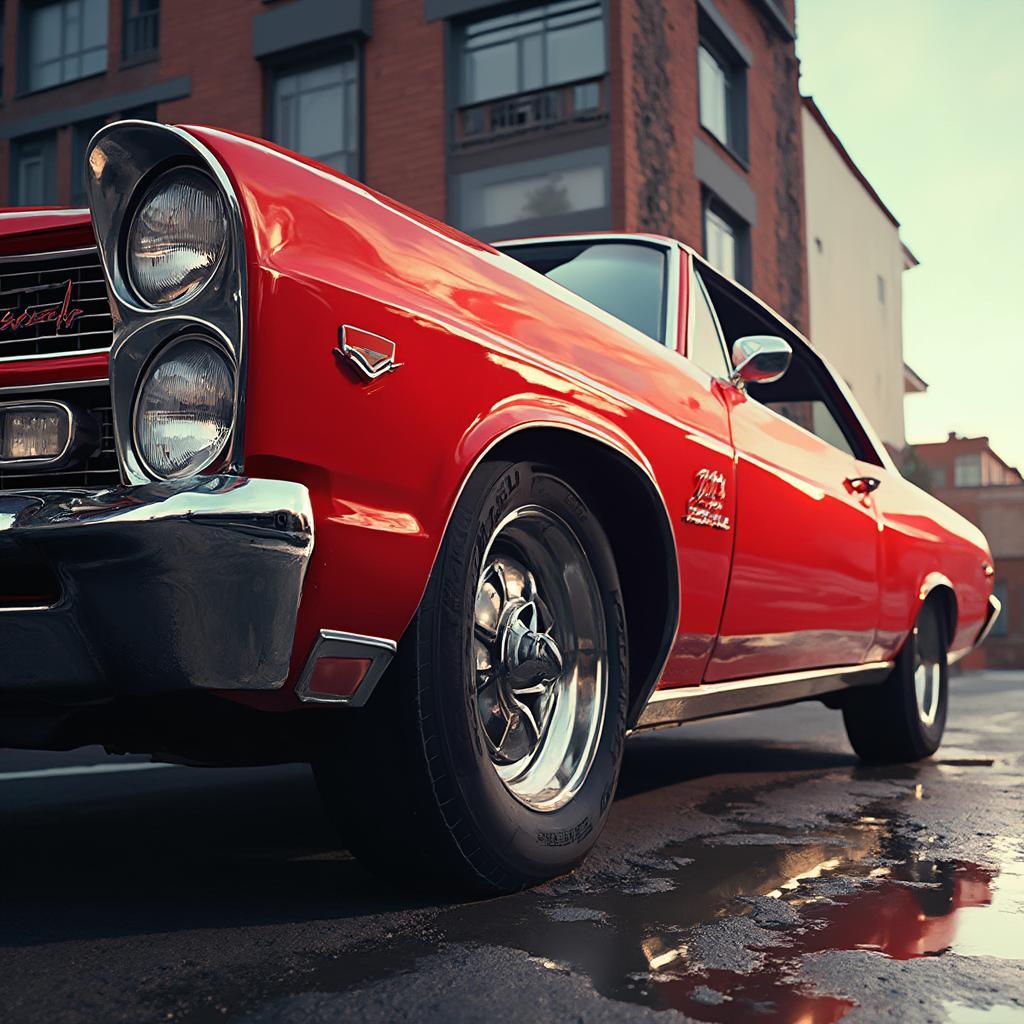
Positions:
(413, 787)
(886, 723)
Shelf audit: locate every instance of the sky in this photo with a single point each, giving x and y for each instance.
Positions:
(927, 96)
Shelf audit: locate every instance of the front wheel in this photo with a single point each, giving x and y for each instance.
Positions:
(490, 756)
(904, 718)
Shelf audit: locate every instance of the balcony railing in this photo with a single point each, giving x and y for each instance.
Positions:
(141, 36)
(574, 102)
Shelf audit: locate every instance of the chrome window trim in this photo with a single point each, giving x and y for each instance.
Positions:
(671, 248)
(688, 703)
(50, 459)
(333, 643)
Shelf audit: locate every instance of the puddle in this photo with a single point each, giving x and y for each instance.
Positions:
(717, 927)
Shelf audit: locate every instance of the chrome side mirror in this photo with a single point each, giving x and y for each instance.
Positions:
(759, 359)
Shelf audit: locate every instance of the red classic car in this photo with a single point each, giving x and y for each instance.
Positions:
(290, 471)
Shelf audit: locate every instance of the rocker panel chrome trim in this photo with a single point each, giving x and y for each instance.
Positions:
(689, 703)
(332, 643)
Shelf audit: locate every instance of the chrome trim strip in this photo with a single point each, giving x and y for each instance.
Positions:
(56, 254)
(333, 643)
(57, 355)
(50, 459)
(64, 385)
(995, 607)
(689, 703)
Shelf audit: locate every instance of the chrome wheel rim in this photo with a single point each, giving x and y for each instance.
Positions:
(927, 684)
(540, 651)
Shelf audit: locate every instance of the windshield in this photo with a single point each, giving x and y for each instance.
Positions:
(625, 279)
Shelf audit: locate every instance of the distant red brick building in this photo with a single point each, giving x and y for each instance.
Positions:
(680, 117)
(966, 474)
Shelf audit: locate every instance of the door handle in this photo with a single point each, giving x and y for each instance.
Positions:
(862, 484)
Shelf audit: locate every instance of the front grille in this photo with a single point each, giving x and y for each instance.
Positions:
(37, 311)
(96, 468)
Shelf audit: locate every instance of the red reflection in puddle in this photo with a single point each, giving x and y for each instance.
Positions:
(886, 915)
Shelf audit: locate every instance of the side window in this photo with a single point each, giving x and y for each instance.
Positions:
(815, 416)
(704, 344)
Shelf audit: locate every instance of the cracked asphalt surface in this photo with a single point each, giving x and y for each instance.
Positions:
(751, 870)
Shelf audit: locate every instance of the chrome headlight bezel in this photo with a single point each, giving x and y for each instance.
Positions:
(124, 161)
(147, 190)
(158, 358)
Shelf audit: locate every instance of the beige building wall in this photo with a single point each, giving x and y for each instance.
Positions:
(855, 263)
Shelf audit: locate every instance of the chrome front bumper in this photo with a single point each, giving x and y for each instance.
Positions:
(994, 608)
(162, 587)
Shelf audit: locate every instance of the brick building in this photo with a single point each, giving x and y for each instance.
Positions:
(967, 475)
(676, 116)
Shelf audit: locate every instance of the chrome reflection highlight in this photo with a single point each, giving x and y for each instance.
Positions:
(177, 237)
(188, 584)
(185, 408)
(540, 673)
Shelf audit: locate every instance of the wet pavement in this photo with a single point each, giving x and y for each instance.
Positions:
(751, 870)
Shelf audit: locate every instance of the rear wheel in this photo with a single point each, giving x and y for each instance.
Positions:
(904, 718)
(490, 755)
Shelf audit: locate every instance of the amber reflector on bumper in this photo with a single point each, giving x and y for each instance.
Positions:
(338, 677)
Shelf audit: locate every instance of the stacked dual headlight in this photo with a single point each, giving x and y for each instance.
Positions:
(175, 245)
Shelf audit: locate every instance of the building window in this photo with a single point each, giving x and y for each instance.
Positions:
(564, 192)
(33, 175)
(63, 41)
(937, 476)
(726, 240)
(967, 471)
(535, 68)
(545, 45)
(314, 110)
(140, 37)
(722, 89)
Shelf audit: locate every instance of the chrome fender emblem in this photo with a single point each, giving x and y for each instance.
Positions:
(369, 353)
(708, 501)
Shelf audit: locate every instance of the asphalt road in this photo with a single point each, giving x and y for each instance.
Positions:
(751, 870)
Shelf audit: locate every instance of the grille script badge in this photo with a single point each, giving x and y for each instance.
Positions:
(61, 314)
(708, 501)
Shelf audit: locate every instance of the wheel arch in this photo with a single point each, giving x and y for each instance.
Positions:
(937, 589)
(626, 499)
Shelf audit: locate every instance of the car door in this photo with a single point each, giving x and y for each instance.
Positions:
(803, 590)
